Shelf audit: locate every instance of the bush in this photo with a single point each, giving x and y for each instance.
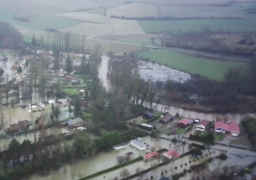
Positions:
(223, 156)
(247, 170)
(174, 140)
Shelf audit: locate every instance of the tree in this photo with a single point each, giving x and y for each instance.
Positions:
(33, 42)
(83, 144)
(56, 113)
(209, 139)
(68, 65)
(77, 106)
(1, 72)
(124, 173)
(19, 70)
(82, 66)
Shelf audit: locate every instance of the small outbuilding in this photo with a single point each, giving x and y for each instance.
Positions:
(234, 129)
(166, 119)
(148, 115)
(202, 125)
(150, 155)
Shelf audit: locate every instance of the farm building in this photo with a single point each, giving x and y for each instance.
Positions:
(221, 127)
(183, 123)
(166, 119)
(139, 145)
(75, 122)
(202, 125)
(150, 155)
(148, 115)
(234, 129)
(171, 154)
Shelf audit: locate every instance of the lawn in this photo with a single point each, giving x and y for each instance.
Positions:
(71, 91)
(100, 11)
(200, 133)
(212, 69)
(197, 25)
(180, 130)
(218, 137)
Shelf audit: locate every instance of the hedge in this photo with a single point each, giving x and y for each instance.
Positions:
(145, 171)
(198, 146)
(185, 154)
(112, 168)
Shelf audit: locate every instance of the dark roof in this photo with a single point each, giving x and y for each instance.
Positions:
(23, 124)
(149, 114)
(164, 178)
(166, 118)
(204, 123)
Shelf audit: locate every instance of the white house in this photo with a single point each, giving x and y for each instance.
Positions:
(202, 125)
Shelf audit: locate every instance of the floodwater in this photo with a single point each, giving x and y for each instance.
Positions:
(155, 72)
(103, 70)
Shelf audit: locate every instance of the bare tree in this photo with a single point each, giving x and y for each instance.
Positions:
(124, 173)
(120, 159)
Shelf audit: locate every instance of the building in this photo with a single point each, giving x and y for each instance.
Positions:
(138, 144)
(166, 119)
(17, 128)
(150, 155)
(148, 115)
(147, 125)
(234, 129)
(202, 125)
(183, 123)
(72, 123)
(221, 127)
(171, 154)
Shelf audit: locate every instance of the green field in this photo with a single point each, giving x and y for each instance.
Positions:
(185, 26)
(218, 137)
(212, 69)
(71, 91)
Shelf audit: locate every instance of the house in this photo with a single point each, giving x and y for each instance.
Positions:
(166, 119)
(12, 130)
(202, 125)
(139, 145)
(234, 129)
(148, 115)
(72, 123)
(171, 154)
(221, 127)
(150, 155)
(21, 125)
(183, 123)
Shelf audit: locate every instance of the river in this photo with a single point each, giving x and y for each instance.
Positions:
(103, 70)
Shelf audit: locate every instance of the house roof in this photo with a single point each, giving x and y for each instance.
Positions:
(70, 123)
(184, 121)
(149, 114)
(12, 129)
(234, 127)
(166, 118)
(164, 178)
(221, 125)
(172, 154)
(150, 155)
(76, 121)
(204, 123)
(23, 123)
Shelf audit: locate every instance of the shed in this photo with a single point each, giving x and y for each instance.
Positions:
(148, 114)
(139, 145)
(166, 119)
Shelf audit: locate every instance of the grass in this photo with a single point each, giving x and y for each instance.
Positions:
(141, 41)
(180, 130)
(251, 126)
(71, 91)
(212, 69)
(200, 133)
(100, 11)
(218, 137)
(197, 25)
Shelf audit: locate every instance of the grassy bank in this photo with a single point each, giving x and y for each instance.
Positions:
(212, 69)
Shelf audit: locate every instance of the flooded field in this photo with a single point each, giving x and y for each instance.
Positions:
(156, 72)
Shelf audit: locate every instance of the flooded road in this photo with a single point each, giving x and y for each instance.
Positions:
(174, 110)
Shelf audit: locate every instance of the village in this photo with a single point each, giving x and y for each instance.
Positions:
(163, 142)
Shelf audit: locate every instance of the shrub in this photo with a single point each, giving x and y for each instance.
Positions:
(174, 140)
(223, 156)
(247, 170)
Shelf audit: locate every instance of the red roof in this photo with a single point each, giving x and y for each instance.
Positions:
(173, 154)
(150, 155)
(204, 123)
(184, 121)
(221, 125)
(234, 127)
(23, 124)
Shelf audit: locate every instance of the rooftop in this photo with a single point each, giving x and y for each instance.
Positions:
(184, 121)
